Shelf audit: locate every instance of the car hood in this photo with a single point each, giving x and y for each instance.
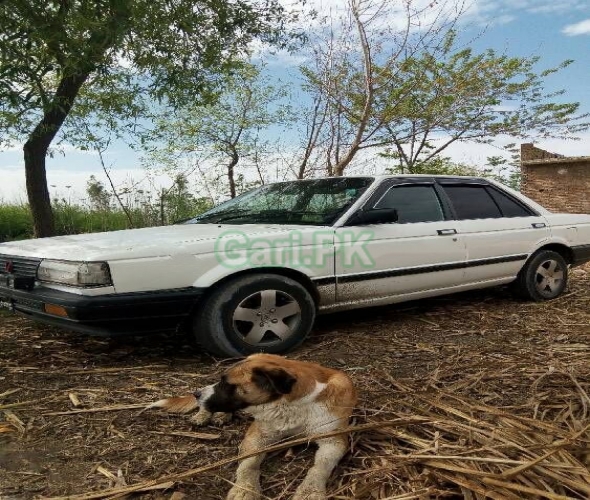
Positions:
(138, 243)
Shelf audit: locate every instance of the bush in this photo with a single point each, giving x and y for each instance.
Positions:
(16, 222)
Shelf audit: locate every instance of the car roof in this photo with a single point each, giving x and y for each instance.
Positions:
(430, 176)
(398, 176)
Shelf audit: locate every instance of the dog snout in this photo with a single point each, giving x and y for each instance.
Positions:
(198, 394)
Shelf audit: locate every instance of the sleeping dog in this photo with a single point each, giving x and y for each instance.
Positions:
(287, 399)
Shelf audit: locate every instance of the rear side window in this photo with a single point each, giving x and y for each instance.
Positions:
(472, 202)
(508, 206)
(413, 203)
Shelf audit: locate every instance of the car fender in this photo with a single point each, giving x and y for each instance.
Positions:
(220, 272)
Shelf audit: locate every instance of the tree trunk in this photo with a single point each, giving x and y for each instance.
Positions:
(37, 191)
(35, 152)
(340, 166)
(230, 173)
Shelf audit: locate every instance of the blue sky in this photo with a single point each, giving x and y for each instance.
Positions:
(555, 30)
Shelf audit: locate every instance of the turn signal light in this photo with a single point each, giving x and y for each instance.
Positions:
(55, 310)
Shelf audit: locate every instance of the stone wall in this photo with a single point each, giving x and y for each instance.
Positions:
(559, 183)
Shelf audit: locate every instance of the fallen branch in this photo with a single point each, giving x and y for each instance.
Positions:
(114, 369)
(194, 435)
(95, 410)
(23, 403)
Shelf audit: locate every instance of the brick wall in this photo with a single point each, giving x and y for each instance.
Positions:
(559, 183)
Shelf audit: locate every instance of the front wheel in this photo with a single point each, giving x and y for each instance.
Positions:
(544, 277)
(256, 313)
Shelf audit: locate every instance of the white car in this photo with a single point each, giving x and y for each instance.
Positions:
(251, 274)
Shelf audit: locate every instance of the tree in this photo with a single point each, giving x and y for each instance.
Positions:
(408, 87)
(178, 203)
(497, 168)
(55, 51)
(99, 197)
(225, 134)
(355, 59)
(458, 95)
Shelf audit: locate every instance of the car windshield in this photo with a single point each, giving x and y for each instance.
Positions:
(311, 202)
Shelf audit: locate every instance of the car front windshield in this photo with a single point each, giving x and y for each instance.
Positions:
(310, 202)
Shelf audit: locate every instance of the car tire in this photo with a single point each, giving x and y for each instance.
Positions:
(544, 276)
(255, 313)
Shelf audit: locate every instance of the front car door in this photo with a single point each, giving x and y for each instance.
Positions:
(423, 250)
(500, 231)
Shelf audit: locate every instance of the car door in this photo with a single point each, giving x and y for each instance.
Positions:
(423, 250)
(500, 231)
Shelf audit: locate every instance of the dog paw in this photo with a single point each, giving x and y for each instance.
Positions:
(201, 418)
(307, 493)
(221, 419)
(244, 492)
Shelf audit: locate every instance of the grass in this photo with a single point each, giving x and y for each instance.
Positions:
(16, 222)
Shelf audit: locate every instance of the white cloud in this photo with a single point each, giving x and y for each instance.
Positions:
(556, 6)
(496, 12)
(581, 28)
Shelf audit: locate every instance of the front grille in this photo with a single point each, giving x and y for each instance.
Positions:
(22, 266)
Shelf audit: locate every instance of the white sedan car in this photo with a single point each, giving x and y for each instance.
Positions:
(251, 274)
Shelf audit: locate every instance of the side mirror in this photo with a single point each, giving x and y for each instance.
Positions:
(373, 216)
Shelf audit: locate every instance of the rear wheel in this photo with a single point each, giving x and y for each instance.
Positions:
(544, 277)
(257, 313)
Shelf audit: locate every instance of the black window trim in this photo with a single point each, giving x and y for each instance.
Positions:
(438, 183)
(468, 183)
(486, 185)
(387, 184)
(531, 212)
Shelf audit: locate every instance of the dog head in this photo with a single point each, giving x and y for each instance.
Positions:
(257, 380)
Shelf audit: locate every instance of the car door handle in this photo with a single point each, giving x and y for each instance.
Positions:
(446, 232)
(538, 225)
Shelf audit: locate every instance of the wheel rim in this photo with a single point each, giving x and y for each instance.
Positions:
(549, 278)
(266, 317)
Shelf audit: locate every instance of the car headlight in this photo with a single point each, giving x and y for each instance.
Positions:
(84, 274)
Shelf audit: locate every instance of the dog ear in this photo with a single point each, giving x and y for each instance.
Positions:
(273, 380)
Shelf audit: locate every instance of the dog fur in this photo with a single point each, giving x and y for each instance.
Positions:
(287, 398)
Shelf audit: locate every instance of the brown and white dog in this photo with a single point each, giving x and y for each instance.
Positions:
(287, 399)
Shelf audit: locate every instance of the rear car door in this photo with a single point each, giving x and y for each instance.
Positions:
(499, 230)
(423, 250)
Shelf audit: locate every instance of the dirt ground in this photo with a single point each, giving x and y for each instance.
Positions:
(486, 350)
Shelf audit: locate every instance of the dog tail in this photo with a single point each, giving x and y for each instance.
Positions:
(182, 404)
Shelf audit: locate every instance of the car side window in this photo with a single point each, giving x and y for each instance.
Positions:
(472, 202)
(508, 206)
(413, 203)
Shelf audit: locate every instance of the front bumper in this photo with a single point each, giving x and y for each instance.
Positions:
(581, 254)
(113, 314)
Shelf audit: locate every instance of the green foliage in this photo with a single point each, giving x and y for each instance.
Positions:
(173, 52)
(100, 63)
(420, 97)
(99, 197)
(15, 222)
(100, 215)
(439, 165)
(223, 139)
(497, 168)
(436, 98)
(178, 203)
